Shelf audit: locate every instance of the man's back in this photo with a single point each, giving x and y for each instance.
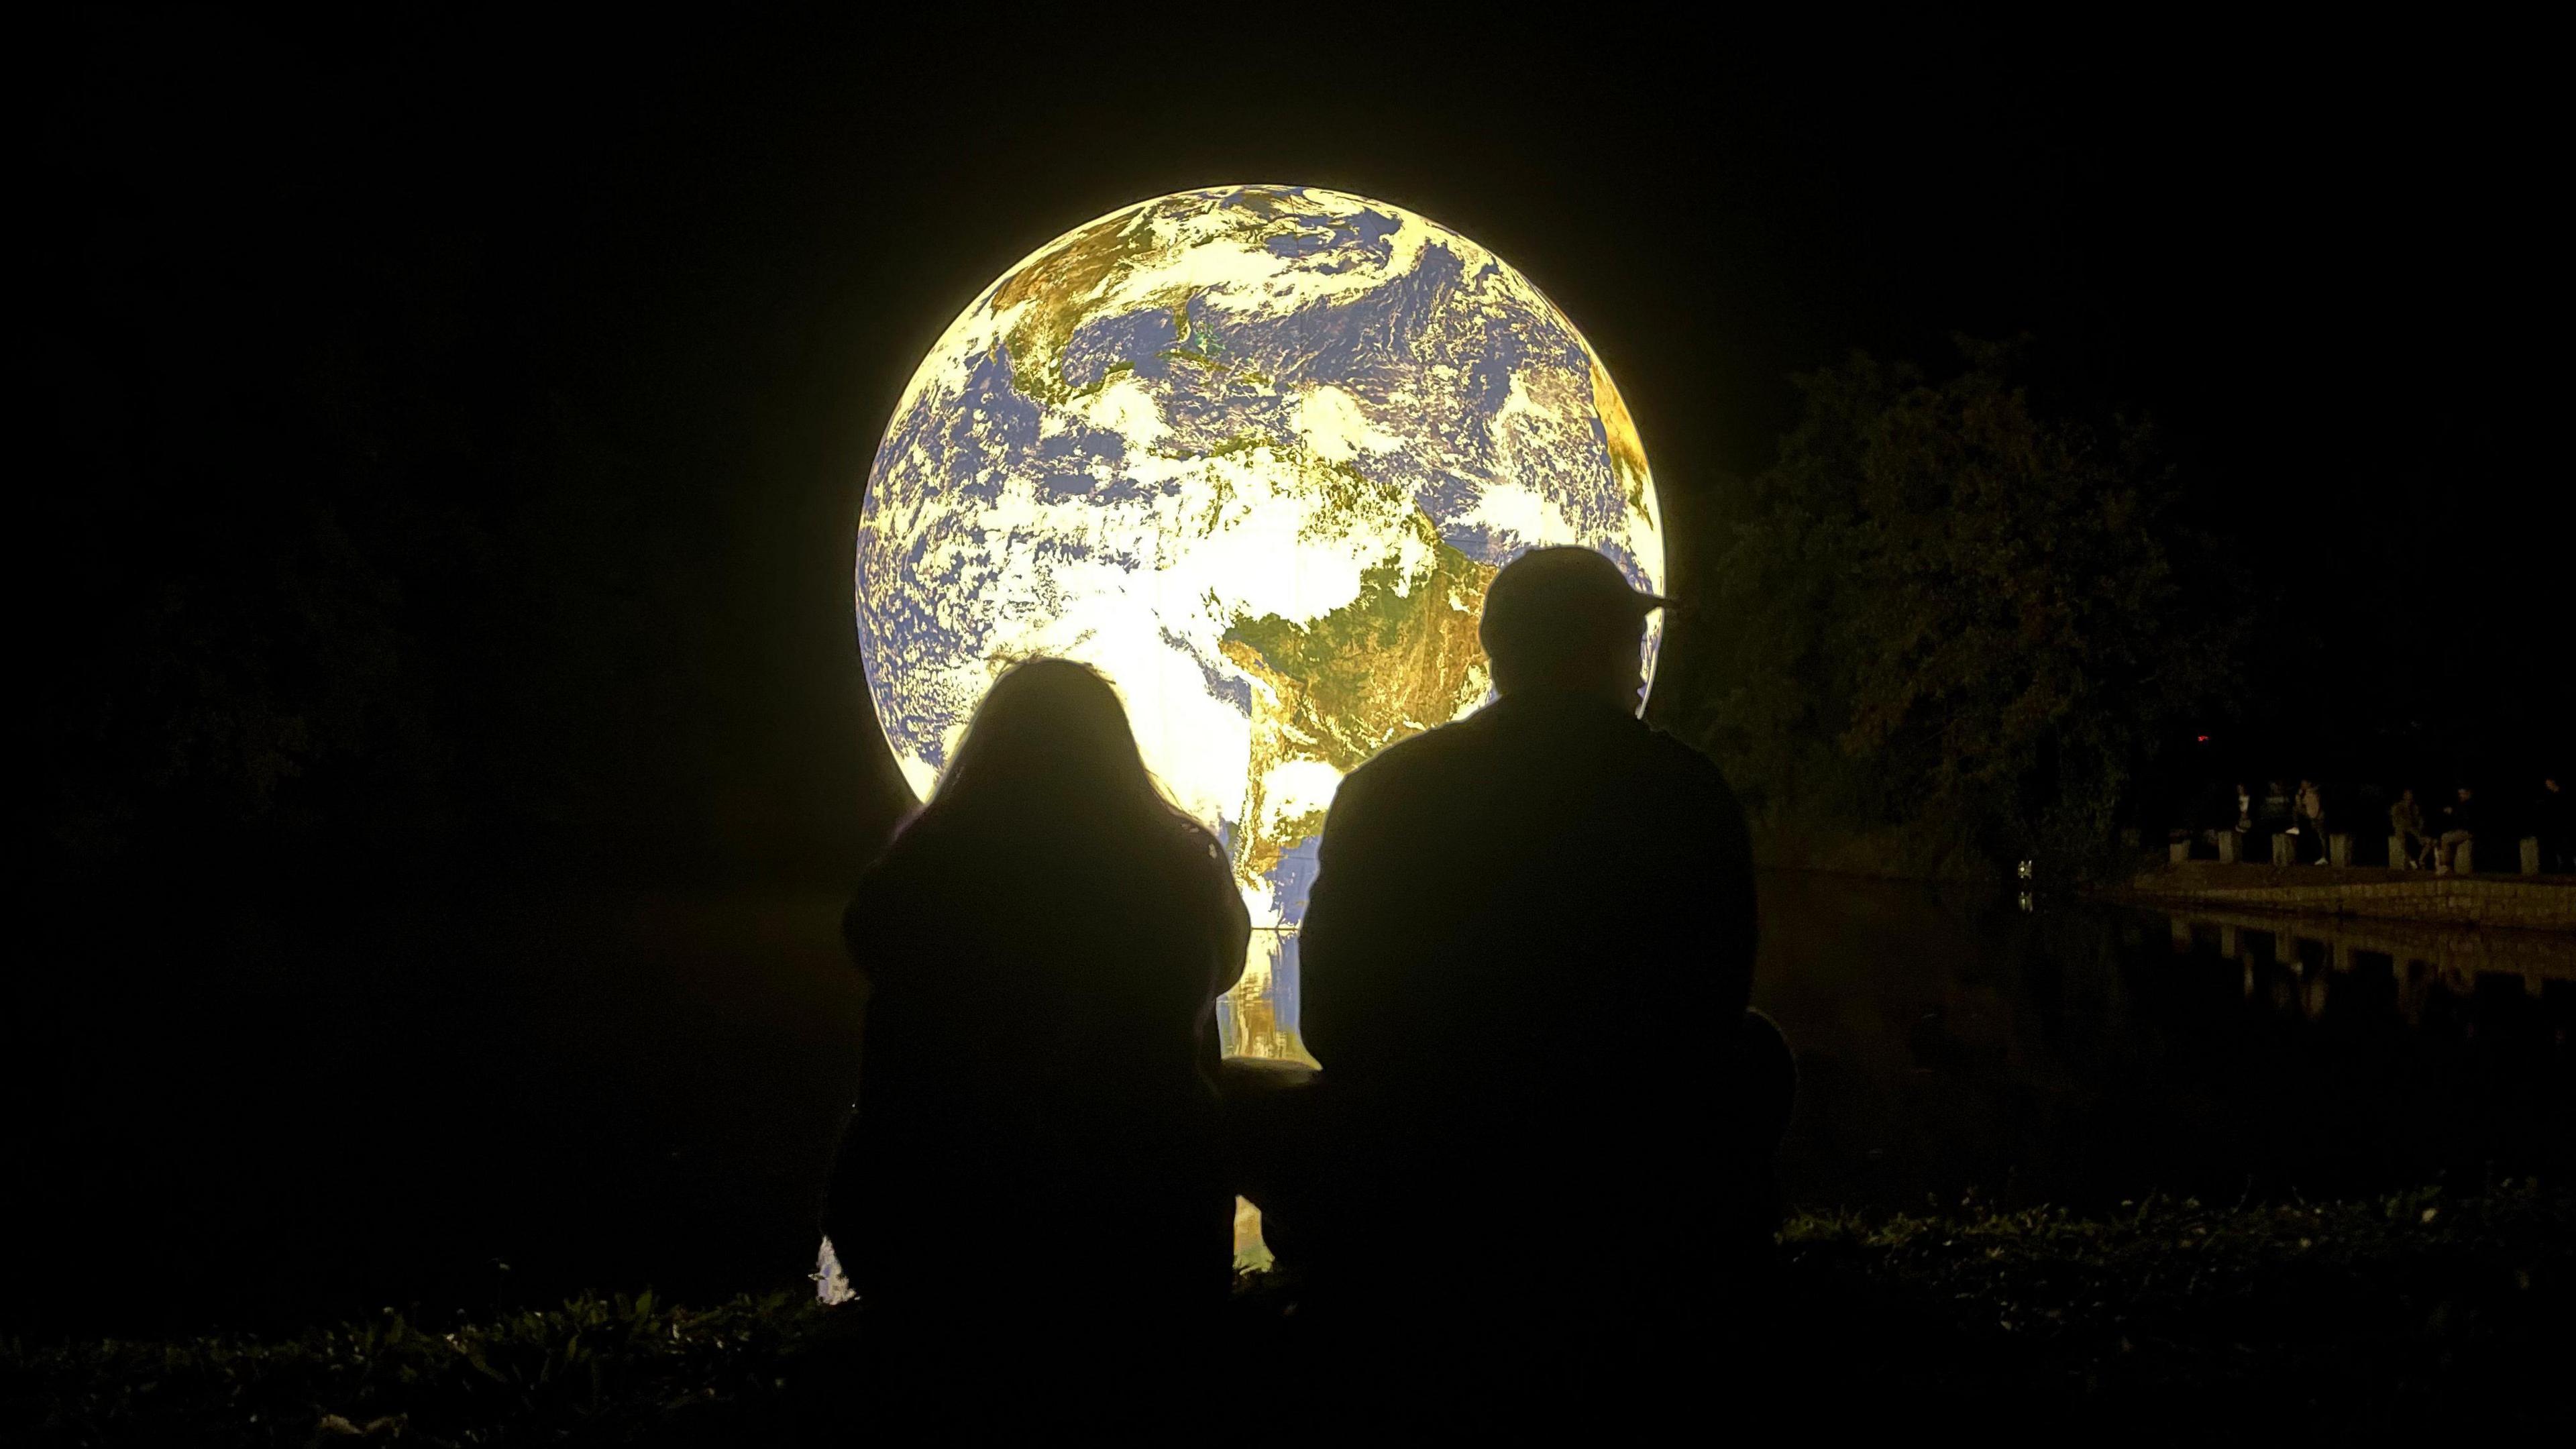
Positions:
(1528, 952)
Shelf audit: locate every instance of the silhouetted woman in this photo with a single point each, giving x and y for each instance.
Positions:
(1045, 942)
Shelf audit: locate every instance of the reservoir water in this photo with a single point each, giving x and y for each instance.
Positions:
(2083, 1054)
(495, 1100)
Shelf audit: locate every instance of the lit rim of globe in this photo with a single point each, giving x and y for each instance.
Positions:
(1252, 452)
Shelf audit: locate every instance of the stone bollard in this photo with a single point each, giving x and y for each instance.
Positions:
(2178, 852)
(2339, 848)
(2229, 842)
(2397, 853)
(2531, 855)
(2281, 850)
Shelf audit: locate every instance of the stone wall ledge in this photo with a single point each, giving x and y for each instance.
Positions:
(2522, 902)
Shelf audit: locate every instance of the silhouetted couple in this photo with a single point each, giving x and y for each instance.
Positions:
(1544, 1111)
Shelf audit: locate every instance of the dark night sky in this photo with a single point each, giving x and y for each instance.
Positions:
(543, 366)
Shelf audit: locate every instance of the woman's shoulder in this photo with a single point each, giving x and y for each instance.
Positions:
(1192, 845)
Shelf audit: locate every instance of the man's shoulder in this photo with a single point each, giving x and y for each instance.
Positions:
(1489, 731)
(1674, 763)
(1679, 753)
(1413, 760)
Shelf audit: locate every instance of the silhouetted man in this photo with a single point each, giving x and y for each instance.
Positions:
(2274, 817)
(2409, 846)
(2310, 824)
(2459, 827)
(1526, 963)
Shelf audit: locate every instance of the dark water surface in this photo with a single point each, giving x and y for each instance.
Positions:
(2083, 1054)
(616, 1091)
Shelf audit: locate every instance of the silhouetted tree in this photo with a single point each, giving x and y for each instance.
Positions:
(1952, 623)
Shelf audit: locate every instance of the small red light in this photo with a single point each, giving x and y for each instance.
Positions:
(2204, 739)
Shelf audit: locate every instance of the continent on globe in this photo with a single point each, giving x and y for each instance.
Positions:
(1253, 452)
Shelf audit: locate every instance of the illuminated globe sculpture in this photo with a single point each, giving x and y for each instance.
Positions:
(1253, 452)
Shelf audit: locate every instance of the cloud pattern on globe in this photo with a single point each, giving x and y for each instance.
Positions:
(1254, 453)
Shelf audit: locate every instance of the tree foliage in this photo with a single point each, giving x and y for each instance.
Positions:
(1951, 624)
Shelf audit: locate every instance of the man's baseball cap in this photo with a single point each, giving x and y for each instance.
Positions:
(1549, 593)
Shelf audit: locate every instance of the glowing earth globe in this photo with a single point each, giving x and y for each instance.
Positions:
(1253, 452)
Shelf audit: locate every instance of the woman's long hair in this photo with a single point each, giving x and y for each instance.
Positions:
(1049, 749)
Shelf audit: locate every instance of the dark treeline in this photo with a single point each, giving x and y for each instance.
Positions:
(401, 400)
(1954, 626)
(1954, 630)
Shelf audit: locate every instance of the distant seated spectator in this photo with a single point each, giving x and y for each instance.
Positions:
(2275, 813)
(2406, 830)
(2238, 821)
(2459, 827)
(2310, 822)
(2552, 822)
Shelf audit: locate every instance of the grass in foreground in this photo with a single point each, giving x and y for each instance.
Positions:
(2420, 1312)
(2324, 1321)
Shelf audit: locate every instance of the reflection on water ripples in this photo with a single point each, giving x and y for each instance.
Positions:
(2298, 961)
(2086, 1053)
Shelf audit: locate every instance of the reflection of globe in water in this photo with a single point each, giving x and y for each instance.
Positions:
(1253, 452)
